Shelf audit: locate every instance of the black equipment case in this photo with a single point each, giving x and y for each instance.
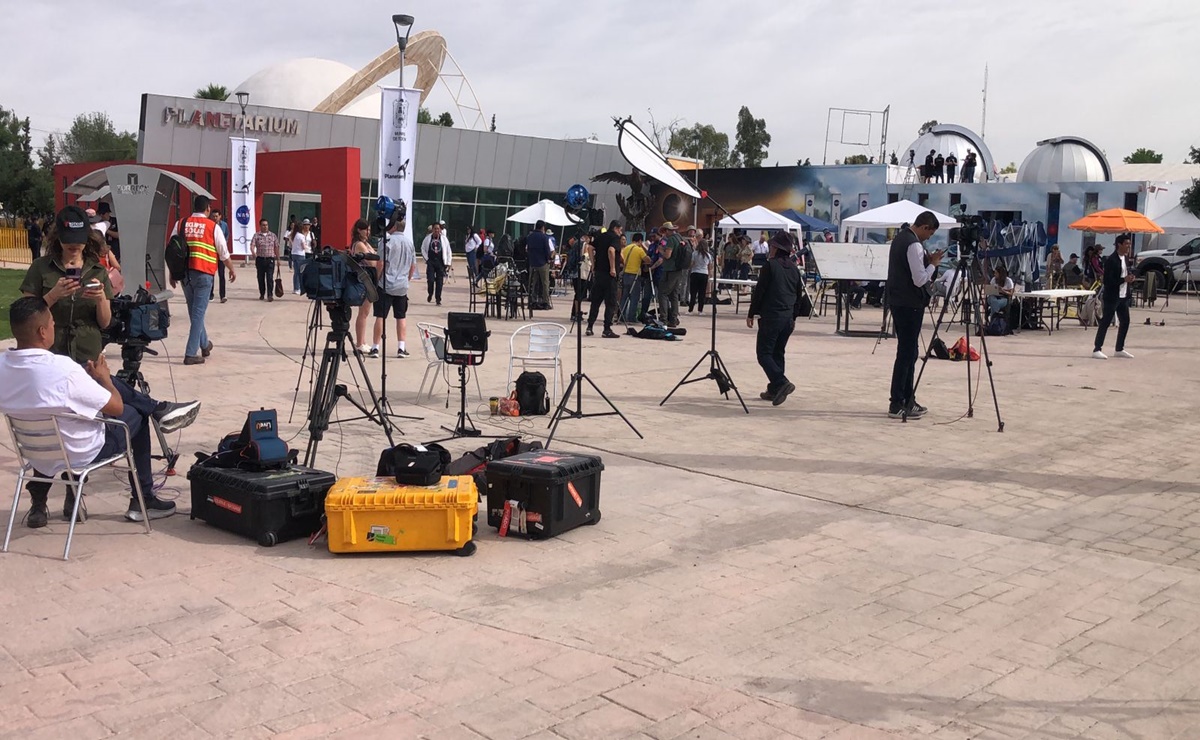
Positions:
(542, 494)
(269, 506)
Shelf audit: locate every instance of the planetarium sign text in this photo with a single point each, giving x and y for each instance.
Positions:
(230, 121)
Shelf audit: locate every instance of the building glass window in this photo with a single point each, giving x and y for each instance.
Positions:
(427, 192)
(493, 196)
(522, 197)
(423, 215)
(491, 217)
(459, 194)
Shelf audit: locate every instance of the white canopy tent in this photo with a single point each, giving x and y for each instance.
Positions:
(760, 217)
(543, 210)
(1178, 221)
(893, 215)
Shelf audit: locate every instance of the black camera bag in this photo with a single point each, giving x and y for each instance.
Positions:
(414, 465)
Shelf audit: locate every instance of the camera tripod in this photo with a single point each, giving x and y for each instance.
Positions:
(716, 366)
(326, 390)
(972, 303)
(1188, 286)
(132, 352)
(576, 384)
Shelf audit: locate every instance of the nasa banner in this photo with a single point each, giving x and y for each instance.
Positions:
(241, 221)
(398, 144)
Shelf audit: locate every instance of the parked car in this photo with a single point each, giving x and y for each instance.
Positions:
(1169, 265)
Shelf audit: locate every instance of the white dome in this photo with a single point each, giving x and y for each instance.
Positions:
(299, 84)
(1065, 159)
(947, 139)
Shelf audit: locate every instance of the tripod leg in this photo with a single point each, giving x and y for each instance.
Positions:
(679, 385)
(562, 408)
(613, 406)
(732, 386)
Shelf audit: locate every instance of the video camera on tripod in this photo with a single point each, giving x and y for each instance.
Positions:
(968, 234)
(141, 319)
(336, 276)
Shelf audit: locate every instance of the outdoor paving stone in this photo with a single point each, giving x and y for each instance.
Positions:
(861, 577)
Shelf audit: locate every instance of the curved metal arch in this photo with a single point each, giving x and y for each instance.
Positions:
(1086, 145)
(989, 164)
(426, 50)
(473, 113)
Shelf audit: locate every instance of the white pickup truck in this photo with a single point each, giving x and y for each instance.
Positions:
(1170, 264)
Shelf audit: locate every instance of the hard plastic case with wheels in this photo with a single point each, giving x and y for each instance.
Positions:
(381, 515)
(269, 506)
(542, 494)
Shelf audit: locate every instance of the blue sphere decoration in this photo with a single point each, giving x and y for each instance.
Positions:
(385, 205)
(577, 196)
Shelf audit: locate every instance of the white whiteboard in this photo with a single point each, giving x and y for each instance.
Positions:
(847, 261)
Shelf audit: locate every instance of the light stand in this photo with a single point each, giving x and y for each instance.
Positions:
(972, 298)
(577, 202)
(717, 370)
(1188, 286)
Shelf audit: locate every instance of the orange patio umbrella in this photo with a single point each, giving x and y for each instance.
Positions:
(1117, 221)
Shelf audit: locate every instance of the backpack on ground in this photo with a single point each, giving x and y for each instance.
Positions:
(938, 349)
(531, 394)
(176, 256)
(997, 326)
(1090, 314)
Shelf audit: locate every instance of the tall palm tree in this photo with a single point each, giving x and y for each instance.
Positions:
(213, 92)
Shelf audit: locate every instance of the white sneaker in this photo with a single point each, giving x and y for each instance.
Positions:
(1126, 355)
(1098, 355)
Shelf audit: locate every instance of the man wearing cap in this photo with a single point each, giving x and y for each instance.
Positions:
(435, 250)
(673, 275)
(206, 247)
(776, 301)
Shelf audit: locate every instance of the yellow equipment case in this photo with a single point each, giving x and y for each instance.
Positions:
(380, 515)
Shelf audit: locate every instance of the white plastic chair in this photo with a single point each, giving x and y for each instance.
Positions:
(433, 345)
(537, 345)
(39, 444)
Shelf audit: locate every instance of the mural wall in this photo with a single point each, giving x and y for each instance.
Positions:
(834, 193)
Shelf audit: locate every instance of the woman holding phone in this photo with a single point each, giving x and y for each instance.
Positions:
(70, 278)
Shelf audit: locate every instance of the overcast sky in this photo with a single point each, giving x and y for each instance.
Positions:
(1121, 74)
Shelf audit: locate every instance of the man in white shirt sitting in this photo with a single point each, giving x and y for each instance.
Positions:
(36, 384)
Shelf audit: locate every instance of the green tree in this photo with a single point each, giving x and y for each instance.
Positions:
(212, 92)
(1144, 156)
(1190, 200)
(1193, 155)
(92, 138)
(752, 139)
(926, 127)
(857, 159)
(1009, 169)
(424, 116)
(445, 120)
(702, 141)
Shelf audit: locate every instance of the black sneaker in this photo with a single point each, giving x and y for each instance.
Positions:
(916, 411)
(781, 395)
(172, 417)
(610, 334)
(589, 331)
(767, 396)
(38, 516)
(402, 353)
(895, 412)
(374, 353)
(156, 508)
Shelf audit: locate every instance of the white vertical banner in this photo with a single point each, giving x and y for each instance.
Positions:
(398, 145)
(241, 220)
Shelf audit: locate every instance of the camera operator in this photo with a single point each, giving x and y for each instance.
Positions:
(35, 384)
(776, 300)
(400, 266)
(604, 279)
(74, 285)
(909, 269)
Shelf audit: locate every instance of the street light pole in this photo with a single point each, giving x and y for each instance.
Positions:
(403, 24)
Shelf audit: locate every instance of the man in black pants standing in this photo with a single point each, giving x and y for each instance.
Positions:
(1115, 295)
(604, 279)
(909, 269)
(776, 300)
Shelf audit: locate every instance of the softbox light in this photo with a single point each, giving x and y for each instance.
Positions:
(643, 155)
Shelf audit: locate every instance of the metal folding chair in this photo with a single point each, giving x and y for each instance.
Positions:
(542, 344)
(39, 443)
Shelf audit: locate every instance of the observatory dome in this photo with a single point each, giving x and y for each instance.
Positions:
(299, 84)
(946, 139)
(1065, 159)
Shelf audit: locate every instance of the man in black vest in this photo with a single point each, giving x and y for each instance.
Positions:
(909, 269)
(776, 300)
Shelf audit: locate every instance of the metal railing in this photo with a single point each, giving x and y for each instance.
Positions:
(14, 245)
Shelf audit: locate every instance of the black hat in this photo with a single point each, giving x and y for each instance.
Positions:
(73, 225)
(782, 241)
